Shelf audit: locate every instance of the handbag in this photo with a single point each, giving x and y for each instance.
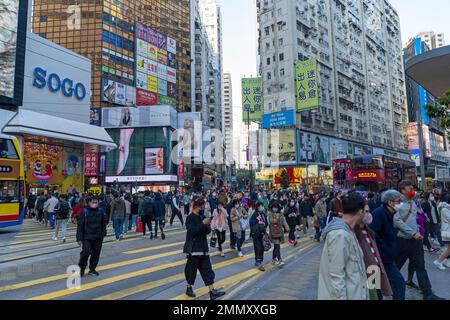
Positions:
(213, 241)
(139, 225)
(267, 245)
(276, 230)
(245, 224)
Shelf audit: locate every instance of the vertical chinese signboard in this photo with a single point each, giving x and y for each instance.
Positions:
(252, 99)
(306, 85)
(90, 164)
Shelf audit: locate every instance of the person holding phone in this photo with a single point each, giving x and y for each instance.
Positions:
(197, 250)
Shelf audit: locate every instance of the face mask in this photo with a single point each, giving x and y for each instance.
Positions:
(275, 210)
(432, 199)
(368, 218)
(411, 195)
(236, 206)
(94, 206)
(292, 204)
(261, 209)
(397, 207)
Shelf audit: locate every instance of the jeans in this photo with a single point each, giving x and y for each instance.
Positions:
(396, 280)
(63, 224)
(118, 226)
(220, 238)
(91, 248)
(413, 250)
(51, 219)
(432, 230)
(240, 241)
(160, 224)
(132, 224)
(276, 251)
(126, 223)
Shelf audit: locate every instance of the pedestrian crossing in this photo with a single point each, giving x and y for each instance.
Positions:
(152, 272)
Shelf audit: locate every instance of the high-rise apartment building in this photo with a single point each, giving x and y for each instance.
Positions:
(228, 115)
(212, 20)
(433, 40)
(105, 34)
(361, 76)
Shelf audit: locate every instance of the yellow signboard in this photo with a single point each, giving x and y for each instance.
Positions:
(152, 84)
(306, 85)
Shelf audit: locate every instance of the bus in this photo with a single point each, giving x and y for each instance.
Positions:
(377, 172)
(12, 182)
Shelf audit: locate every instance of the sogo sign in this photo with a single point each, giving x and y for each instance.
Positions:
(56, 84)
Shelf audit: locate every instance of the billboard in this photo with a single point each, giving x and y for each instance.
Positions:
(252, 99)
(190, 134)
(340, 149)
(314, 148)
(413, 138)
(155, 63)
(279, 119)
(306, 83)
(118, 93)
(154, 161)
(359, 150)
(281, 148)
(149, 116)
(13, 24)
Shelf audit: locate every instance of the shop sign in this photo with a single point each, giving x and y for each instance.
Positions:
(154, 179)
(90, 164)
(56, 84)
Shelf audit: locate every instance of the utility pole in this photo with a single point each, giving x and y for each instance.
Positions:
(422, 147)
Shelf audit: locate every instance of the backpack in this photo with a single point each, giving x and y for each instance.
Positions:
(63, 210)
(276, 230)
(168, 199)
(40, 203)
(148, 207)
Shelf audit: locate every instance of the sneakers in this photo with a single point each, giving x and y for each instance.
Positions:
(433, 250)
(280, 263)
(93, 272)
(433, 297)
(439, 265)
(121, 237)
(214, 294)
(151, 236)
(240, 254)
(259, 266)
(412, 285)
(446, 263)
(54, 238)
(222, 254)
(163, 236)
(64, 240)
(190, 292)
(233, 247)
(275, 262)
(81, 273)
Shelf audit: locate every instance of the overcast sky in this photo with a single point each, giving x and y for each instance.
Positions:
(240, 30)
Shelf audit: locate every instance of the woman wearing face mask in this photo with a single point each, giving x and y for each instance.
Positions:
(238, 225)
(372, 258)
(291, 214)
(277, 223)
(258, 225)
(219, 224)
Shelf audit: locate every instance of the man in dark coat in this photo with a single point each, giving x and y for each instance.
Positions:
(196, 248)
(159, 214)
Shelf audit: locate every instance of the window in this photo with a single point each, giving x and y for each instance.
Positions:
(282, 72)
(281, 56)
(7, 150)
(269, 76)
(280, 41)
(9, 191)
(267, 46)
(267, 29)
(280, 12)
(268, 61)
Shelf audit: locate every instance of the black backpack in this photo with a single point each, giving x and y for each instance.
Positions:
(63, 210)
(40, 203)
(148, 207)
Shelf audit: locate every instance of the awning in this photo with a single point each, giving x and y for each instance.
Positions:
(431, 70)
(27, 122)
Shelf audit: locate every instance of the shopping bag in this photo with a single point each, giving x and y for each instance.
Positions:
(266, 242)
(139, 226)
(213, 242)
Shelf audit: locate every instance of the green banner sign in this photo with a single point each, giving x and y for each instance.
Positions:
(252, 99)
(166, 100)
(306, 85)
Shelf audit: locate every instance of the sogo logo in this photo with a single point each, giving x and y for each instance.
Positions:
(55, 84)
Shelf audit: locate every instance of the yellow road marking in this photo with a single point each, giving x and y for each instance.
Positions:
(235, 279)
(153, 284)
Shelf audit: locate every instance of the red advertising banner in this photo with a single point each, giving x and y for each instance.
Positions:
(181, 170)
(90, 164)
(145, 98)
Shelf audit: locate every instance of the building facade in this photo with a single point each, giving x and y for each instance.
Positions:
(228, 115)
(433, 40)
(361, 76)
(104, 32)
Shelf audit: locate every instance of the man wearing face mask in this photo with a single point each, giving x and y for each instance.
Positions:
(342, 273)
(258, 225)
(372, 259)
(291, 214)
(409, 239)
(91, 230)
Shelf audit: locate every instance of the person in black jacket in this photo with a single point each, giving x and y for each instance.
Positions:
(91, 230)
(196, 248)
(306, 208)
(159, 214)
(433, 226)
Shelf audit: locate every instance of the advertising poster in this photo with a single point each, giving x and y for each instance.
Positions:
(146, 116)
(95, 117)
(116, 92)
(413, 136)
(252, 99)
(90, 164)
(53, 165)
(171, 45)
(121, 92)
(130, 96)
(141, 64)
(171, 90)
(152, 84)
(152, 52)
(171, 60)
(162, 56)
(154, 161)
(190, 134)
(162, 71)
(141, 80)
(359, 150)
(279, 119)
(281, 148)
(306, 85)
(109, 91)
(340, 149)
(152, 68)
(162, 87)
(141, 48)
(314, 149)
(166, 100)
(415, 156)
(295, 175)
(146, 98)
(172, 75)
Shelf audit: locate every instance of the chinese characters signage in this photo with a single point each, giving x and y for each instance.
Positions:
(306, 85)
(90, 165)
(252, 99)
(279, 119)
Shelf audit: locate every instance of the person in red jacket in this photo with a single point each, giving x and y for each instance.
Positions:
(77, 210)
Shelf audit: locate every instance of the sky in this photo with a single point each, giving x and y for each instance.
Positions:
(240, 33)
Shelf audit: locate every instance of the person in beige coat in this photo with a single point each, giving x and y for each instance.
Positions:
(342, 273)
(239, 224)
(277, 222)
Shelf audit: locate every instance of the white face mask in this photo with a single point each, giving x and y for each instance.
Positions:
(368, 218)
(397, 207)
